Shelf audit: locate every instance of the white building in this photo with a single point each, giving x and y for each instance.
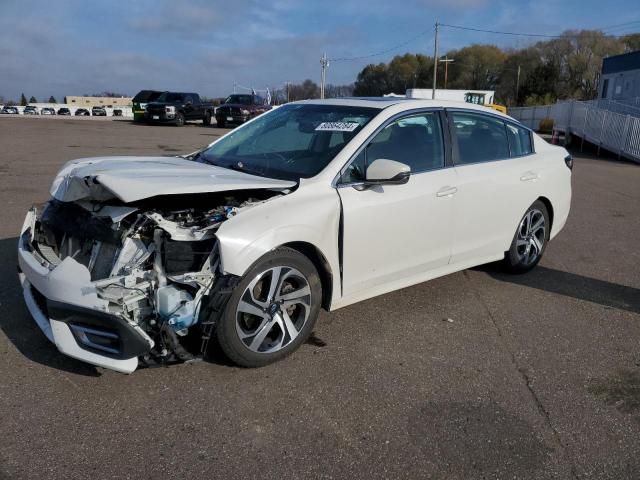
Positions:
(620, 78)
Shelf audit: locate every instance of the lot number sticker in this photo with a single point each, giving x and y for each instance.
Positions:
(337, 127)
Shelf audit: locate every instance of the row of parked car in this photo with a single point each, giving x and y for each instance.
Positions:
(179, 107)
(80, 112)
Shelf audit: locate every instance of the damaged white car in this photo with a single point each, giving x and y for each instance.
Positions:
(319, 204)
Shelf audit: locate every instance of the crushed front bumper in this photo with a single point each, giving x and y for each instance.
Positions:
(64, 303)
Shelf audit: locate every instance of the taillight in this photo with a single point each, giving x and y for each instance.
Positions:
(568, 160)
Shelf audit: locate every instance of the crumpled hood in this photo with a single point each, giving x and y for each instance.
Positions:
(136, 178)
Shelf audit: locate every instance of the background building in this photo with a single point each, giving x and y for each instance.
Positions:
(620, 79)
(88, 102)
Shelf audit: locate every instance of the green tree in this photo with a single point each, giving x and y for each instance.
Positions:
(631, 42)
(23, 100)
(476, 67)
(372, 81)
(52, 99)
(33, 100)
(564, 67)
(583, 61)
(409, 71)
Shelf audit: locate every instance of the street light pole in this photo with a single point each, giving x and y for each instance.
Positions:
(435, 63)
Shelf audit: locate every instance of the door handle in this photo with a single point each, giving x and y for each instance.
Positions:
(446, 192)
(528, 176)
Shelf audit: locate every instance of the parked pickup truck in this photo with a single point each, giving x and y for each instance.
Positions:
(178, 108)
(238, 108)
(140, 103)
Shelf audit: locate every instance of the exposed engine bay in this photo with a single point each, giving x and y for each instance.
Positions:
(153, 263)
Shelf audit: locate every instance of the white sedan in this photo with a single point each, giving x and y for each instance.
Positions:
(318, 204)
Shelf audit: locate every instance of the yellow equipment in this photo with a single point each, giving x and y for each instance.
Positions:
(479, 99)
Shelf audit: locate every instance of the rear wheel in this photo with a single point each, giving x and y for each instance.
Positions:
(206, 120)
(530, 239)
(272, 311)
(220, 122)
(179, 119)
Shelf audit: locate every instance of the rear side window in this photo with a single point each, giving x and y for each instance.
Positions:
(519, 140)
(480, 138)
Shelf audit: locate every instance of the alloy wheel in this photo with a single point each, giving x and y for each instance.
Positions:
(531, 237)
(273, 309)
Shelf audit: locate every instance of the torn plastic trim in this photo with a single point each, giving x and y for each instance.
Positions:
(69, 282)
(214, 308)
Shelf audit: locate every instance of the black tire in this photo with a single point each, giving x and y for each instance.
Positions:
(206, 120)
(179, 119)
(227, 330)
(525, 251)
(220, 122)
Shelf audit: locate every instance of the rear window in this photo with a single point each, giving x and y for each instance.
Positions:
(241, 99)
(170, 97)
(480, 138)
(519, 140)
(146, 96)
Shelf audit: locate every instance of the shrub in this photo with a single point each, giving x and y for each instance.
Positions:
(546, 125)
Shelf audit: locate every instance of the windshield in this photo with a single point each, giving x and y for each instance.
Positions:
(241, 99)
(169, 97)
(477, 98)
(146, 96)
(292, 142)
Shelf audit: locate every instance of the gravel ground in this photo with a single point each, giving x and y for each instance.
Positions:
(474, 375)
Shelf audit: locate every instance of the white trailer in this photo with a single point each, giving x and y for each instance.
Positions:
(479, 97)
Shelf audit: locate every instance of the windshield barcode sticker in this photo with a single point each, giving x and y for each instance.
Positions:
(337, 127)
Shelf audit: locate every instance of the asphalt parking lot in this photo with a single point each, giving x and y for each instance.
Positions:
(474, 375)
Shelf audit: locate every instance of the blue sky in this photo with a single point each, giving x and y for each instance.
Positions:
(72, 47)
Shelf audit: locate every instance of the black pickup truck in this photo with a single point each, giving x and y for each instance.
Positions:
(178, 108)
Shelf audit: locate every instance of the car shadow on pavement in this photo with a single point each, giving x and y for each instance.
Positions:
(18, 326)
(607, 294)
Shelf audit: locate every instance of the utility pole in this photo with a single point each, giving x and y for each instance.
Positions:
(324, 62)
(517, 84)
(435, 63)
(446, 60)
(234, 87)
(287, 92)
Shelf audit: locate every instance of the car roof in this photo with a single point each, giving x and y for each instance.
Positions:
(409, 103)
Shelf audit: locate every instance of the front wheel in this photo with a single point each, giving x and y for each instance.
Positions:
(179, 120)
(530, 239)
(272, 310)
(220, 122)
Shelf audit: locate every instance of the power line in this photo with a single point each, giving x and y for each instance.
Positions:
(497, 32)
(615, 27)
(516, 34)
(382, 52)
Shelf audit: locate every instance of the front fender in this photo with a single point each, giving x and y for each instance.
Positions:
(311, 217)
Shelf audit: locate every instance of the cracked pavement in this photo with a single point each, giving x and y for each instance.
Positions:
(475, 375)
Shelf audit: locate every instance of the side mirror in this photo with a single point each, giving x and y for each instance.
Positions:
(387, 172)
